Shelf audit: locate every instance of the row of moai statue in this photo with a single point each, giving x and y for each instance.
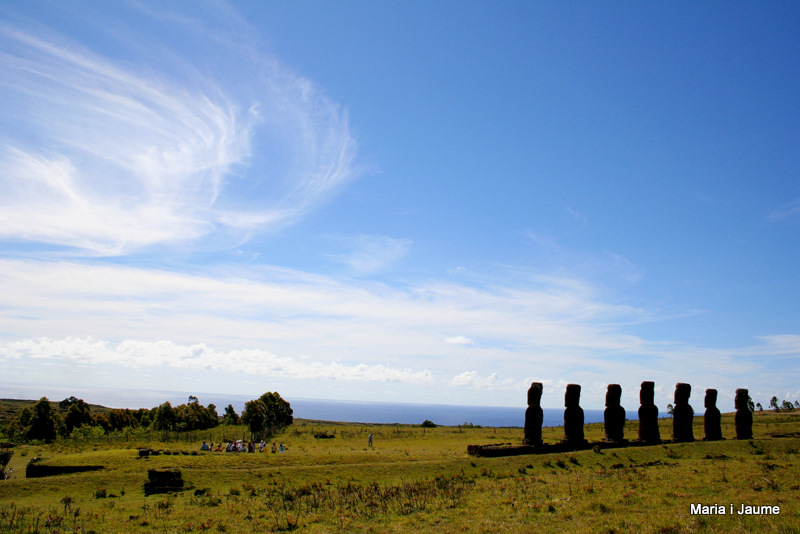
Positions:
(614, 415)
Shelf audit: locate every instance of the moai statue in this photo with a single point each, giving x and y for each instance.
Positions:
(743, 417)
(682, 414)
(648, 414)
(711, 420)
(614, 415)
(573, 416)
(534, 416)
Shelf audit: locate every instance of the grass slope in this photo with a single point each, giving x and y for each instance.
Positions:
(415, 480)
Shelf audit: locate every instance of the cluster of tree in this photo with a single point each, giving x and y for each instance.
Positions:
(44, 423)
(264, 416)
(41, 422)
(784, 406)
(189, 416)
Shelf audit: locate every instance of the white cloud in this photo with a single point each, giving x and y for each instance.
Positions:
(138, 354)
(473, 379)
(459, 340)
(109, 156)
(296, 325)
(282, 310)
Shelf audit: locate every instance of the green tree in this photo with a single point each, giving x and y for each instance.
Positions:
(195, 416)
(24, 418)
(42, 424)
(279, 411)
(760, 408)
(267, 414)
(165, 417)
(120, 418)
(69, 401)
(16, 429)
(428, 424)
(231, 417)
(256, 418)
(100, 420)
(211, 416)
(77, 416)
(187, 416)
(773, 403)
(143, 417)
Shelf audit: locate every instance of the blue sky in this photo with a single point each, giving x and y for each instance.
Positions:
(401, 201)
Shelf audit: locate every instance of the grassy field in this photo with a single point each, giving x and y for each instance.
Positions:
(414, 480)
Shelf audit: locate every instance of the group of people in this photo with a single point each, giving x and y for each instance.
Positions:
(241, 446)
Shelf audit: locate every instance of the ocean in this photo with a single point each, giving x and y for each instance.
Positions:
(441, 414)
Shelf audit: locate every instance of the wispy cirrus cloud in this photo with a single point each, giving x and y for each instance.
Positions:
(370, 253)
(786, 212)
(106, 157)
(786, 344)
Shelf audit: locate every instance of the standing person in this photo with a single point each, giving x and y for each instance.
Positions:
(369, 441)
